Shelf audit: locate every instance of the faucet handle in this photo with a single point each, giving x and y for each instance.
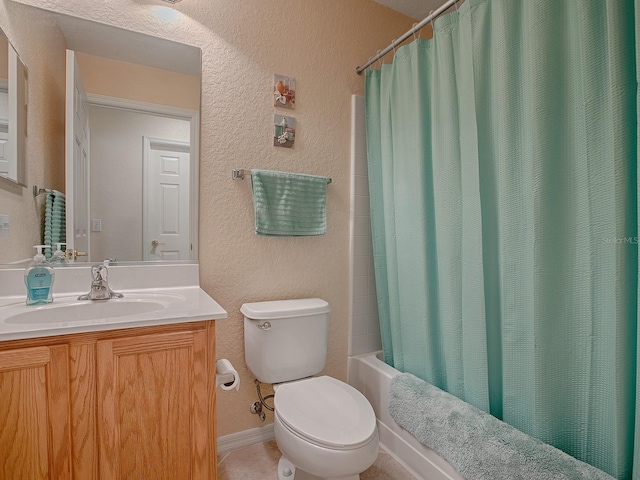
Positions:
(99, 272)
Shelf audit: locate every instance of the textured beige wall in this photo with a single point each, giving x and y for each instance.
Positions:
(45, 126)
(113, 78)
(243, 45)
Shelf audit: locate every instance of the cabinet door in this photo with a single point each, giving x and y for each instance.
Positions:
(34, 414)
(152, 407)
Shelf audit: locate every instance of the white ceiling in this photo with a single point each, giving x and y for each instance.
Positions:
(417, 9)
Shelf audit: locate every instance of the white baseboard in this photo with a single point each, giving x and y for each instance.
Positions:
(245, 438)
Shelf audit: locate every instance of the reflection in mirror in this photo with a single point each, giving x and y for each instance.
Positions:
(13, 84)
(151, 163)
(40, 45)
(141, 175)
(142, 105)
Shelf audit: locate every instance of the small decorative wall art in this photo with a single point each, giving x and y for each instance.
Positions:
(284, 131)
(284, 91)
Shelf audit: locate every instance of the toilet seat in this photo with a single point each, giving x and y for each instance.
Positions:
(326, 412)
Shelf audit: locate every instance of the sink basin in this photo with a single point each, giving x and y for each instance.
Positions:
(155, 294)
(84, 310)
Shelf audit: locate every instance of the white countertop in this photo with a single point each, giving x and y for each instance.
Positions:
(173, 290)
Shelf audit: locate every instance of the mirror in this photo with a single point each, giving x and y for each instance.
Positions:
(132, 191)
(13, 97)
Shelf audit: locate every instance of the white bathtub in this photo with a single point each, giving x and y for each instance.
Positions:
(372, 376)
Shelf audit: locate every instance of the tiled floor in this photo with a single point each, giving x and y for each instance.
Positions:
(260, 462)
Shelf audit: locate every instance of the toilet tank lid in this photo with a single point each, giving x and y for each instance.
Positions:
(284, 308)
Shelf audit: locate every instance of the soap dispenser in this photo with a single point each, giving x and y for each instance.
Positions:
(38, 277)
(58, 257)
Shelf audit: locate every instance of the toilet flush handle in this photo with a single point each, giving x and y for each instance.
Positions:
(264, 326)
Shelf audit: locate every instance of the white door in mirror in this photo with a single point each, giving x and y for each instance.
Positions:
(77, 160)
(166, 223)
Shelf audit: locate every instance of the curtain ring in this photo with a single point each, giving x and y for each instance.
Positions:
(456, 5)
(413, 27)
(379, 58)
(431, 20)
(393, 45)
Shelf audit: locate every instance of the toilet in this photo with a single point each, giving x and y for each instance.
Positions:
(325, 428)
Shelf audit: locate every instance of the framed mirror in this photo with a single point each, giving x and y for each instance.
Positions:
(130, 193)
(13, 113)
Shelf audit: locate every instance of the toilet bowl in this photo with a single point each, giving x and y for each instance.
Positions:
(325, 429)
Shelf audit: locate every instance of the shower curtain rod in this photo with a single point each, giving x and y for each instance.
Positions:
(432, 16)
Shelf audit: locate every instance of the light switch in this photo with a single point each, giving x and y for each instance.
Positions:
(96, 225)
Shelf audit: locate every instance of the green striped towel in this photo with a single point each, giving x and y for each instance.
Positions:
(54, 221)
(289, 204)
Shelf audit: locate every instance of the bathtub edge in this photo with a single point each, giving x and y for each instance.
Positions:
(371, 376)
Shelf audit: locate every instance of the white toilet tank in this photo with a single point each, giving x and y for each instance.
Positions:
(285, 340)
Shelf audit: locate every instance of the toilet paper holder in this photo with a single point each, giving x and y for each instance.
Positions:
(227, 377)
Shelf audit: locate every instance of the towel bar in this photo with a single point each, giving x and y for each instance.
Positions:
(37, 191)
(240, 173)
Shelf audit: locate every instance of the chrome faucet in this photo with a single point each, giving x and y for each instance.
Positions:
(100, 289)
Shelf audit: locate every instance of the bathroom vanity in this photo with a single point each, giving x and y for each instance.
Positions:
(124, 387)
(131, 396)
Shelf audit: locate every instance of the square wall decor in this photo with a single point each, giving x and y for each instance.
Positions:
(284, 131)
(284, 92)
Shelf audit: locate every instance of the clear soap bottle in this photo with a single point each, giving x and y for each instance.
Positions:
(38, 277)
(58, 257)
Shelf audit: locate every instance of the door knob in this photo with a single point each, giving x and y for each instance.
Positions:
(73, 254)
(155, 243)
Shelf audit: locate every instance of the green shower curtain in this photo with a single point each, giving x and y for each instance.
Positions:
(503, 180)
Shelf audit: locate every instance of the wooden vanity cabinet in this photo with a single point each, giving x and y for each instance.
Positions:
(35, 428)
(123, 404)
